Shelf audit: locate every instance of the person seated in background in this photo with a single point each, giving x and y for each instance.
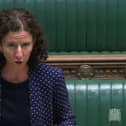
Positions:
(32, 93)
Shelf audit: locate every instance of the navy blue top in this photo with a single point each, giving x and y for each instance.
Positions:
(48, 98)
(15, 104)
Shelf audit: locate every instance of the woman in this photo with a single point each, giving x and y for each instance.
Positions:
(31, 93)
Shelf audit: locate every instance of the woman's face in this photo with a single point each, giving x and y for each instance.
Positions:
(17, 47)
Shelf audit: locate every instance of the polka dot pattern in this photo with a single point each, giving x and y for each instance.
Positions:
(49, 102)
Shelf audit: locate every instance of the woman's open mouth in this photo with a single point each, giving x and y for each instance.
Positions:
(18, 62)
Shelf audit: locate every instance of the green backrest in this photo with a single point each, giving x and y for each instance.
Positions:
(98, 102)
(79, 25)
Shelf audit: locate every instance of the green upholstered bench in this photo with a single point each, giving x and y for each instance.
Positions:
(98, 102)
(87, 52)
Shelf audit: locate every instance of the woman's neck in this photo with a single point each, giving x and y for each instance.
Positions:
(15, 74)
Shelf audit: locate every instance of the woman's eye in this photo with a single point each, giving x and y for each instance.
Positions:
(11, 45)
(25, 44)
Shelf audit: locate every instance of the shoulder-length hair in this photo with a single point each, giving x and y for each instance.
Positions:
(12, 20)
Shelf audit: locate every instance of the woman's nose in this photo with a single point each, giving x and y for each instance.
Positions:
(19, 52)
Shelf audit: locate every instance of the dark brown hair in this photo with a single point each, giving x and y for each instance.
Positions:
(12, 20)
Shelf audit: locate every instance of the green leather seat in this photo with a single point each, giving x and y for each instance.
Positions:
(98, 102)
(79, 25)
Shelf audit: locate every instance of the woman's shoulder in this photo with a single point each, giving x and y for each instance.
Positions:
(47, 74)
(44, 68)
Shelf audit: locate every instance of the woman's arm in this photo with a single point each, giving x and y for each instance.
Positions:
(62, 111)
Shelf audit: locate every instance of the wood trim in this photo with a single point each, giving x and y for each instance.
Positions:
(109, 66)
(94, 57)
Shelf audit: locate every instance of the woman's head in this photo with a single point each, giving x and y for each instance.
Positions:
(16, 20)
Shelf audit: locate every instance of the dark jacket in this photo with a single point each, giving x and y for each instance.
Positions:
(49, 104)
